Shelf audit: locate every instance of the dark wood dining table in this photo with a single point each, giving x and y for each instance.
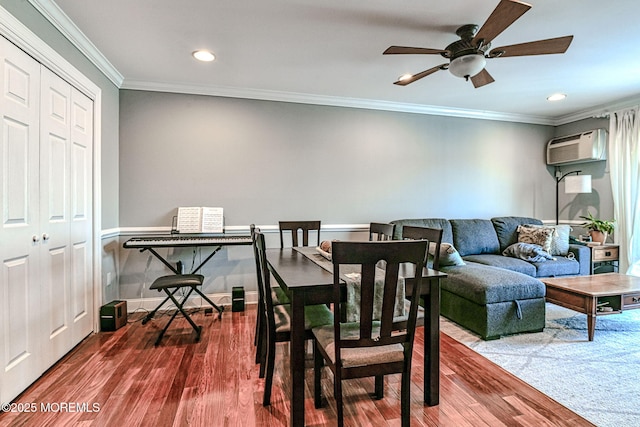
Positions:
(307, 283)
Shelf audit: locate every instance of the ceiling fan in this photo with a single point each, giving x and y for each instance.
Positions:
(467, 56)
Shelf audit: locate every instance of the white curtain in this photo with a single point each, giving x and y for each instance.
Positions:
(624, 166)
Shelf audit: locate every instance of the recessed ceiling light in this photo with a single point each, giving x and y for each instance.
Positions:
(556, 97)
(203, 55)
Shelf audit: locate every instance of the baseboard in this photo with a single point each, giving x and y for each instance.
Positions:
(222, 299)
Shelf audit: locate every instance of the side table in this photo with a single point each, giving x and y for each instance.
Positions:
(604, 258)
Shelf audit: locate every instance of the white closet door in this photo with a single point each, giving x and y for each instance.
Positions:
(20, 290)
(55, 214)
(81, 194)
(66, 150)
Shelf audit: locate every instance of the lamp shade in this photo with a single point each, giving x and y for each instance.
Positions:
(577, 184)
(467, 65)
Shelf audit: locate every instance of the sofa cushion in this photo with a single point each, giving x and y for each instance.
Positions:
(513, 264)
(474, 236)
(506, 228)
(484, 284)
(442, 223)
(559, 266)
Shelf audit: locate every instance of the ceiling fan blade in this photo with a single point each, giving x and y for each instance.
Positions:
(505, 14)
(399, 50)
(425, 73)
(540, 47)
(482, 78)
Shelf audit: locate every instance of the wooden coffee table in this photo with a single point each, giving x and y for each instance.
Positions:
(596, 295)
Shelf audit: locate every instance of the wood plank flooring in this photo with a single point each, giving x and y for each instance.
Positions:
(120, 379)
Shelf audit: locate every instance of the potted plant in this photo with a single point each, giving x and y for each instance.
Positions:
(599, 229)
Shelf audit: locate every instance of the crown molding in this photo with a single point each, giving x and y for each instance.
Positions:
(303, 98)
(70, 30)
(601, 111)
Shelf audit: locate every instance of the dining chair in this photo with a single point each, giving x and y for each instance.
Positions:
(434, 237)
(277, 327)
(379, 231)
(295, 227)
(369, 348)
(278, 297)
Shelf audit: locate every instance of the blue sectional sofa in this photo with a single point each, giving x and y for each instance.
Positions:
(493, 294)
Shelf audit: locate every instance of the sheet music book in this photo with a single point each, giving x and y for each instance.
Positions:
(200, 220)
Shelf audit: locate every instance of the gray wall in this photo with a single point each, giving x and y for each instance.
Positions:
(265, 161)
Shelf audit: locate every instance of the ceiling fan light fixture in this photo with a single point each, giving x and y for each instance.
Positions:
(203, 55)
(467, 65)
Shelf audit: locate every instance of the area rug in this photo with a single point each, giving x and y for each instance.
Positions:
(600, 379)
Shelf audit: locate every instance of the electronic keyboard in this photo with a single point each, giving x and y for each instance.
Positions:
(185, 240)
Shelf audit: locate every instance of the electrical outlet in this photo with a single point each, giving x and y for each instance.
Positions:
(109, 278)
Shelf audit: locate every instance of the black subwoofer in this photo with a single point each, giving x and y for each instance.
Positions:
(237, 298)
(113, 315)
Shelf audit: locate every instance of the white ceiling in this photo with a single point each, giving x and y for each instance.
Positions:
(330, 52)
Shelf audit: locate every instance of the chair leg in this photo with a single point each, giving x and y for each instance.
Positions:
(257, 331)
(379, 390)
(262, 350)
(260, 337)
(318, 363)
(405, 402)
(259, 315)
(337, 390)
(270, 361)
(258, 345)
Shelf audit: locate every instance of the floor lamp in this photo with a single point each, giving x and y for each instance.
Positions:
(574, 185)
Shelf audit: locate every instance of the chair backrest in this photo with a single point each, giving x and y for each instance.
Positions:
(433, 235)
(367, 255)
(265, 282)
(379, 231)
(254, 230)
(294, 227)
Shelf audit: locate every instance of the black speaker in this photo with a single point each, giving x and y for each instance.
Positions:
(113, 315)
(237, 298)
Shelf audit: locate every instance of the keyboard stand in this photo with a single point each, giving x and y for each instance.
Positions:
(150, 244)
(176, 270)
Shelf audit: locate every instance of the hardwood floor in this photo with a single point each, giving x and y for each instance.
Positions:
(120, 379)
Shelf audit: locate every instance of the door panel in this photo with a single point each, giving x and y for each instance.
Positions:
(55, 159)
(17, 309)
(20, 290)
(82, 299)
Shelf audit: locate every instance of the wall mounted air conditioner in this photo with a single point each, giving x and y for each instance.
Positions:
(583, 147)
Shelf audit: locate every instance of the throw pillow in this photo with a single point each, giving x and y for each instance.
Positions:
(559, 238)
(448, 254)
(527, 251)
(537, 235)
